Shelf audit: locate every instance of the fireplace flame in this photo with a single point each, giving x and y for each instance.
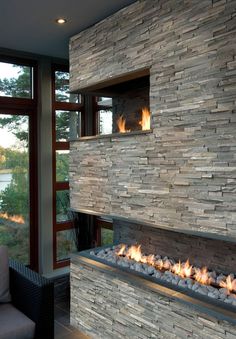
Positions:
(202, 276)
(121, 250)
(184, 270)
(146, 118)
(15, 218)
(121, 125)
(134, 252)
(229, 284)
(151, 260)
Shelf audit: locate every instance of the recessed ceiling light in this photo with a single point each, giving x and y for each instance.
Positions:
(61, 21)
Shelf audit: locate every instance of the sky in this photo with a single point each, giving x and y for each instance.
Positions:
(8, 71)
(7, 139)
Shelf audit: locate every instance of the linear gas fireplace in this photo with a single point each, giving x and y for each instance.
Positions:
(132, 287)
(170, 189)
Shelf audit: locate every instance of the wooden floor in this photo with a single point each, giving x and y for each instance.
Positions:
(63, 329)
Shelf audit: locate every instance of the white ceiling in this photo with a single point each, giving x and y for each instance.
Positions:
(29, 25)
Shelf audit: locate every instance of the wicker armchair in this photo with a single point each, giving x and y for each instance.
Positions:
(33, 295)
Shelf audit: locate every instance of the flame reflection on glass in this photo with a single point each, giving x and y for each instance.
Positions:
(15, 218)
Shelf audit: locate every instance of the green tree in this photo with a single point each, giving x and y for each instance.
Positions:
(2, 158)
(62, 166)
(15, 198)
(18, 87)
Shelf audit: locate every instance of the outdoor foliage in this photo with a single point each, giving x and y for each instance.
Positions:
(18, 87)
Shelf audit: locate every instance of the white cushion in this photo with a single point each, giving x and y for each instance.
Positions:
(4, 275)
(14, 324)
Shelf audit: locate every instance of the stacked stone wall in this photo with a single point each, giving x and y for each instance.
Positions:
(183, 174)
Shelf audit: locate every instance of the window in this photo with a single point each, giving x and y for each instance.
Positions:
(16, 80)
(67, 115)
(104, 115)
(105, 232)
(18, 161)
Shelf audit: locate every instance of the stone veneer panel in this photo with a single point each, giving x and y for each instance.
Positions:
(183, 175)
(105, 305)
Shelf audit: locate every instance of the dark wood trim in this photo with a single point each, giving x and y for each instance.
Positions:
(67, 106)
(17, 103)
(62, 186)
(60, 146)
(101, 107)
(99, 224)
(61, 263)
(64, 225)
(104, 223)
(17, 60)
(95, 116)
(33, 169)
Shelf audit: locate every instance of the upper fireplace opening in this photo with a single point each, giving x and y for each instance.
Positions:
(122, 103)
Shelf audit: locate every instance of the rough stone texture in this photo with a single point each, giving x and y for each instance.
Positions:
(105, 305)
(200, 251)
(183, 175)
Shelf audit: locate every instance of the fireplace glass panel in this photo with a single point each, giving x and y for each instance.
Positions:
(106, 236)
(65, 244)
(124, 107)
(62, 206)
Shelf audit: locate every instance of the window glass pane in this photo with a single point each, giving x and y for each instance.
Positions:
(15, 81)
(105, 121)
(65, 244)
(62, 165)
(105, 115)
(62, 88)
(67, 125)
(62, 206)
(14, 186)
(104, 101)
(106, 236)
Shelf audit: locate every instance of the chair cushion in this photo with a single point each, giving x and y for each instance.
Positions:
(14, 324)
(4, 275)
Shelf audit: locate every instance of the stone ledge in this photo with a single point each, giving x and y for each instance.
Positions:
(112, 135)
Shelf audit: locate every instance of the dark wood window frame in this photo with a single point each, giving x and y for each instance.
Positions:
(60, 145)
(27, 107)
(99, 224)
(96, 108)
